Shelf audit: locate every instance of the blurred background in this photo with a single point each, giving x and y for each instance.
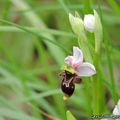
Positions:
(35, 37)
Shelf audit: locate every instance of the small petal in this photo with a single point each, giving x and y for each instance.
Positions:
(68, 60)
(116, 110)
(86, 69)
(77, 56)
(89, 22)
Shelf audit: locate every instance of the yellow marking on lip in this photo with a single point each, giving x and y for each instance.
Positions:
(68, 68)
(65, 97)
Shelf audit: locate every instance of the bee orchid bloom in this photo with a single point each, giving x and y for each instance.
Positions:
(82, 69)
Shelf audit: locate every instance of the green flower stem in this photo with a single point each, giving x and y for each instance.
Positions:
(98, 34)
(84, 45)
(95, 82)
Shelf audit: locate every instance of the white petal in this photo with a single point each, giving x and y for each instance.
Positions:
(68, 60)
(86, 69)
(89, 21)
(116, 110)
(77, 55)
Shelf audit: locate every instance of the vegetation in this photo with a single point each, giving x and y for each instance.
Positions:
(35, 38)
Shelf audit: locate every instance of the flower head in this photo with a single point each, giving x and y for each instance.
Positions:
(89, 22)
(76, 62)
(116, 110)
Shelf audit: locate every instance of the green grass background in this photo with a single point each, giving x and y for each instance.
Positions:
(35, 37)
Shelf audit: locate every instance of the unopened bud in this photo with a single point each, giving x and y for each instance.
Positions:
(76, 24)
(89, 22)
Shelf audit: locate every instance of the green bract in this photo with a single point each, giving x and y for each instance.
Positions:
(76, 24)
(98, 33)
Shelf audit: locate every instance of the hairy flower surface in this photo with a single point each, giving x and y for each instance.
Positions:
(76, 62)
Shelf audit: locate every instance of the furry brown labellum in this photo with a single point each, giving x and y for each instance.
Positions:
(68, 82)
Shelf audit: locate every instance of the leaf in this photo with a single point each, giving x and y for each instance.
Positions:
(70, 116)
(98, 33)
(5, 112)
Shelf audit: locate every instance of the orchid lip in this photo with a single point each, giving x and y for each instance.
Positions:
(67, 87)
(68, 82)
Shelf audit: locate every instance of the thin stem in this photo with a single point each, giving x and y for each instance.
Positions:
(95, 86)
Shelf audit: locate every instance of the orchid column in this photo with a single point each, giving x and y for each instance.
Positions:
(91, 24)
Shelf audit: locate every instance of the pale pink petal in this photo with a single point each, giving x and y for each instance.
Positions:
(86, 69)
(68, 60)
(77, 56)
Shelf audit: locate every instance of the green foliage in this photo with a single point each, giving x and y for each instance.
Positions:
(35, 37)
(70, 116)
(98, 32)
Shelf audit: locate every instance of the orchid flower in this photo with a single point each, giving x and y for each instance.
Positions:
(116, 110)
(76, 62)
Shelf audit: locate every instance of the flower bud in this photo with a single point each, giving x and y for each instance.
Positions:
(76, 24)
(116, 110)
(89, 22)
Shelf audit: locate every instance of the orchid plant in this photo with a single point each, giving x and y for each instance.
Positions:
(76, 62)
